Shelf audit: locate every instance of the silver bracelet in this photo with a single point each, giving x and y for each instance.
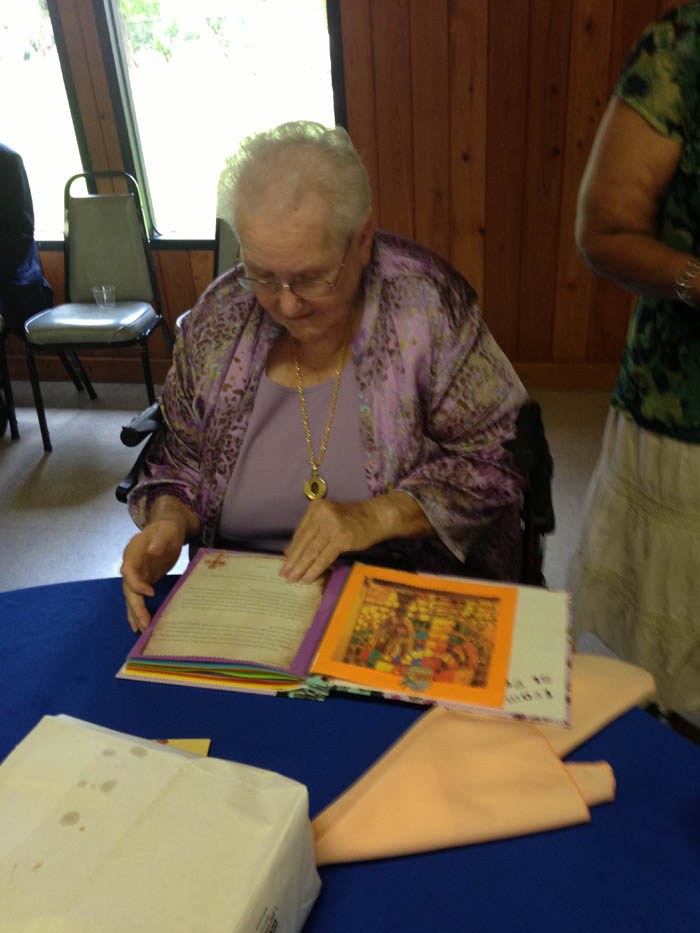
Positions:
(685, 281)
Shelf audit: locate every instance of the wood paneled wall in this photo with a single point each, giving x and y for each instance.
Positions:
(475, 118)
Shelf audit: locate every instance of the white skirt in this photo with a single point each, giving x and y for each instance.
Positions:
(635, 579)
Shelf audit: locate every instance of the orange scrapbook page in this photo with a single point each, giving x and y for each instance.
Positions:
(435, 638)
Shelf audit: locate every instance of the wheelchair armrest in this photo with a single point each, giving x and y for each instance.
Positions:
(141, 426)
(127, 484)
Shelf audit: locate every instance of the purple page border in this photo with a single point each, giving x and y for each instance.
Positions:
(137, 650)
(300, 664)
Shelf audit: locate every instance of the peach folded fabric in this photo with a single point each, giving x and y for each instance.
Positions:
(601, 690)
(457, 778)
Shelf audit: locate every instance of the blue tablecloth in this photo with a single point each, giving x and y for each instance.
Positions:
(636, 867)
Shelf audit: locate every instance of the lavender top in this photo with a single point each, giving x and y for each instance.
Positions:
(265, 500)
(436, 398)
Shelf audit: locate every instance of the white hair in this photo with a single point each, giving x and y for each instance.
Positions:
(293, 160)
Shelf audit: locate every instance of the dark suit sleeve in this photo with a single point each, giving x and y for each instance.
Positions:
(16, 214)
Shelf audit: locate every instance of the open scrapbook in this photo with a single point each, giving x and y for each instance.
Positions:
(232, 622)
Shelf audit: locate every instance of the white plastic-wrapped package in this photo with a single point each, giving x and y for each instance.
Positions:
(103, 831)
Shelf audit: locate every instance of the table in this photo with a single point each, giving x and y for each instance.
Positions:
(635, 867)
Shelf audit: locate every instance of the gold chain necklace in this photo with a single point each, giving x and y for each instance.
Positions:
(315, 487)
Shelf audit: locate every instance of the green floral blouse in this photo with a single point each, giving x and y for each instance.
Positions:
(659, 380)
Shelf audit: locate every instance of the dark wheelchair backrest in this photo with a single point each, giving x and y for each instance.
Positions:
(534, 460)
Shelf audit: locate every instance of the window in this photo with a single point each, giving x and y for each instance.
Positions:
(34, 112)
(204, 75)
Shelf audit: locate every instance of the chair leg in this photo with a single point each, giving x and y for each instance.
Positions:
(38, 400)
(69, 369)
(7, 392)
(147, 371)
(78, 366)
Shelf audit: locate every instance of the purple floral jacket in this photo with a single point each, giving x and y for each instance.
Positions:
(437, 398)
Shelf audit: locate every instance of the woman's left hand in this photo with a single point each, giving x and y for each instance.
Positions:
(330, 528)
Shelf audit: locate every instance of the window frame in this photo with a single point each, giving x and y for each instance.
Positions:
(73, 105)
(116, 69)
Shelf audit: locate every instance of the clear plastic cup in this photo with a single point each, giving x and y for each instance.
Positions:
(104, 295)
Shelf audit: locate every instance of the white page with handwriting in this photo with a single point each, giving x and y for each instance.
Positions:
(236, 607)
(538, 673)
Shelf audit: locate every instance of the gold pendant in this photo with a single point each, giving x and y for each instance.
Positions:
(315, 487)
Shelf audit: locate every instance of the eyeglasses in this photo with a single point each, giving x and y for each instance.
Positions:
(304, 288)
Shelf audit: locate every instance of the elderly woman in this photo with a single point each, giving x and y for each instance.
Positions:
(336, 390)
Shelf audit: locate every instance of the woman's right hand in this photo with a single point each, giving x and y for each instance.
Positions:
(147, 557)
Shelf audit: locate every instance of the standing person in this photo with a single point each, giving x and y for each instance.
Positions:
(23, 289)
(337, 391)
(636, 576)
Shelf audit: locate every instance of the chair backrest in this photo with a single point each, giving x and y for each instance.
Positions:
(534, 460)
(106, 243)
(225, 248)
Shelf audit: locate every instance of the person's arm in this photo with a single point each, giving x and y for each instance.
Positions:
(172, 464)
(462, 477)
(465, 478)
(16, 214)
(628, 172)
(162, 504)
(152, 552)
(330, 528)
(172, 501)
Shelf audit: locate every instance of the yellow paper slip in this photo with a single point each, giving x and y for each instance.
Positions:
(196, 746)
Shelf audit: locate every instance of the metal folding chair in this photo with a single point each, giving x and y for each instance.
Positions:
(105, 243)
